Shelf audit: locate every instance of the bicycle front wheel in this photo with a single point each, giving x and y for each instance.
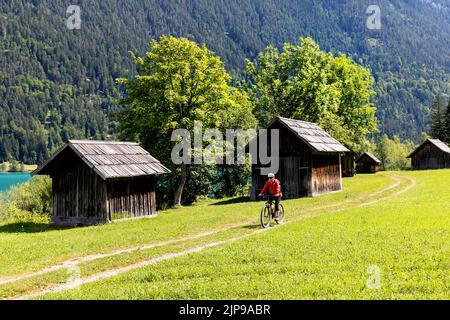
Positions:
(266, 216)
(280, 219)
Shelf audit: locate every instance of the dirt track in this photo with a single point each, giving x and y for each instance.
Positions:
(294, 216)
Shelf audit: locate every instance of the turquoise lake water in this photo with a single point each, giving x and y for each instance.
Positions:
(9, 179)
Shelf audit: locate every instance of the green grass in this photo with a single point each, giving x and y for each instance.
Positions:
(323, 252)
(327, 256)
(246, 214)
(58, 277)
(30, 247)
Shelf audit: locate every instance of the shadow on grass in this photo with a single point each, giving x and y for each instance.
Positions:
(29, 227)
(252, 226)
(231, 201)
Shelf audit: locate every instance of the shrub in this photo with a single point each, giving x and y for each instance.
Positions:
(30, 201)
(393, 153)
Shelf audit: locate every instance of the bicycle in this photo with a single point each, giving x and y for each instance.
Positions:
(268, 213)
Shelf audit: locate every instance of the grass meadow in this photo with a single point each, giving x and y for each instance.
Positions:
(386, 236)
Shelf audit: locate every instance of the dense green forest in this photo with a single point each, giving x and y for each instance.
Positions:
(57, 83)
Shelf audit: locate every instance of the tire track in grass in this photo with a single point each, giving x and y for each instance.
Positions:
(76, 261)
(392, 186)
(110, 273)
(114, 272)
(412, 185)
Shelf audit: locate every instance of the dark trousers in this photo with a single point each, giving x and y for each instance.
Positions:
(277, 201)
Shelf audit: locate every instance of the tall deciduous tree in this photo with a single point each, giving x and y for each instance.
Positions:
(306, 83)
(383, 150)
(178, 83)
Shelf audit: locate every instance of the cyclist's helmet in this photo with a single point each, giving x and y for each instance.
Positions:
(271, 175)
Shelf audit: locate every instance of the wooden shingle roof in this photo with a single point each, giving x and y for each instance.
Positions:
(111, 159)
(371, 156)
(313, 135)
(436, 142)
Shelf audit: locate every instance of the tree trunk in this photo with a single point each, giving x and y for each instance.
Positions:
(179, 189)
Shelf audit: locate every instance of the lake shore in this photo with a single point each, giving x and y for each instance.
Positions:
(6, 167)
(9, 179)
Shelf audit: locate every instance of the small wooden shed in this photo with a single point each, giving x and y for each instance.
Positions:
(99, 181)
(309, 160)
(368, 163)
(432, 154)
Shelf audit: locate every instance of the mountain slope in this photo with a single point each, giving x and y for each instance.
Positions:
(57, 83)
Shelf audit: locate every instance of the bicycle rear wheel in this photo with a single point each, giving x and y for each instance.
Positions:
(280, 219)
(266, 216)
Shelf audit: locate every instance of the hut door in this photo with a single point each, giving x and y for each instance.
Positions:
(303, 182)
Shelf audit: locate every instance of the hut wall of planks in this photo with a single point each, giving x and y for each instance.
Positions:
(100, 181)
(432, 154)
(310, 160)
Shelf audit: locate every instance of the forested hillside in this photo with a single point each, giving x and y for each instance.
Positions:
(57, 83)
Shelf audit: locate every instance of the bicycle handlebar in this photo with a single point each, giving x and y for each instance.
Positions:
(266, 196)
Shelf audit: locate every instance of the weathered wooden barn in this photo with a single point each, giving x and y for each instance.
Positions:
(309, 160)
(99, 181)
(368, 163)
(432, 154)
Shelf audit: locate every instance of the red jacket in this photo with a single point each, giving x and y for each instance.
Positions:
(274, 188)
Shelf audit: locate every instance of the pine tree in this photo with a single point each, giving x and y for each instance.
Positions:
(447, 123)
(437, 119)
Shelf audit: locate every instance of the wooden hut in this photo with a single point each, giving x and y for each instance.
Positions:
(309, 160)
(368, 163)
(432, 154)
(98, 181)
